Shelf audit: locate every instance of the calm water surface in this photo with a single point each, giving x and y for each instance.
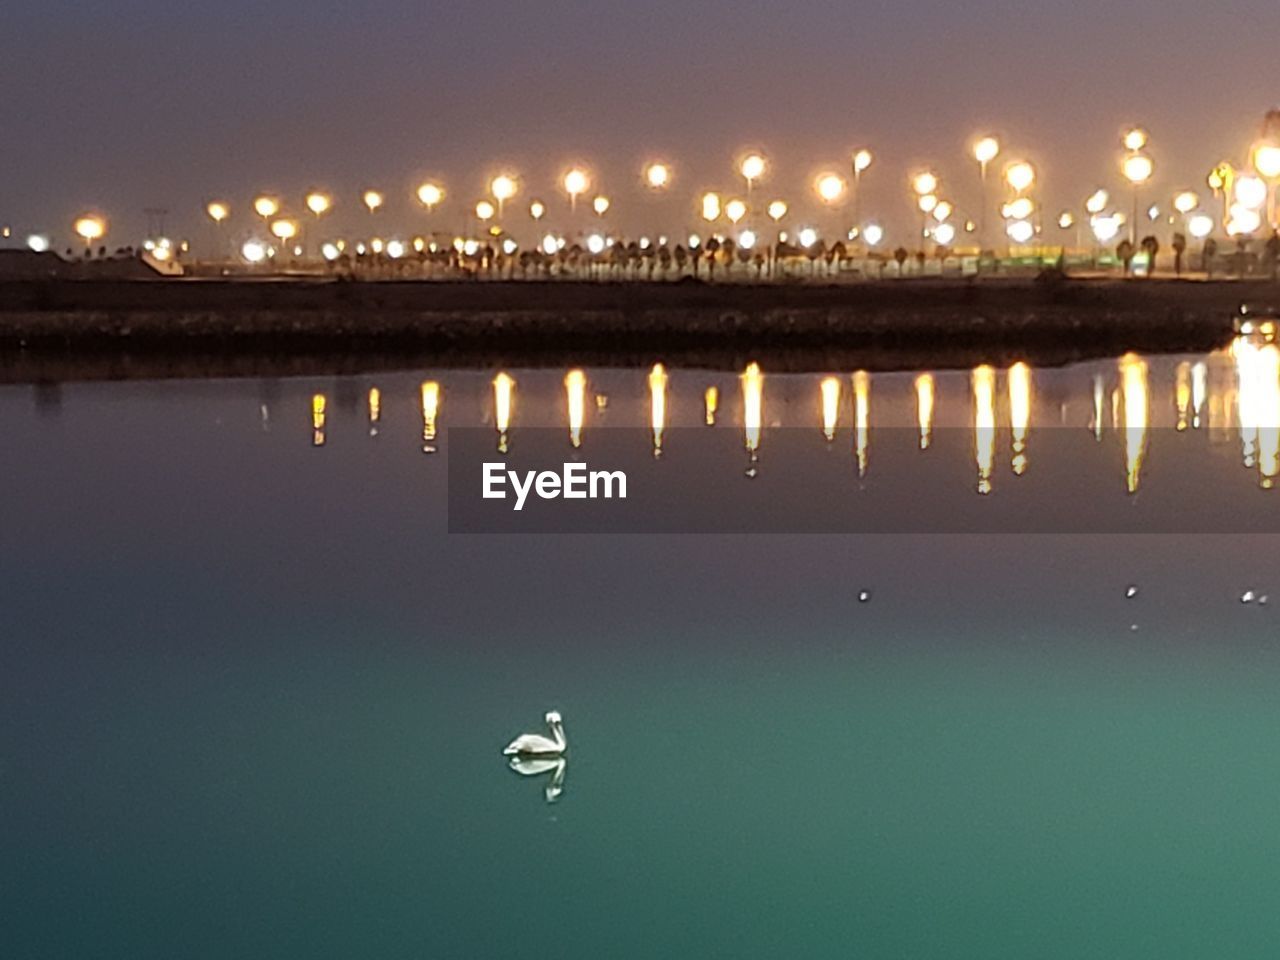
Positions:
(253, 694)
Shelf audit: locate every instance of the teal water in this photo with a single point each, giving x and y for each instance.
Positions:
(253, 698)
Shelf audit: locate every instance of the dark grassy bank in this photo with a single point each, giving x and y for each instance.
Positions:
(98, 329)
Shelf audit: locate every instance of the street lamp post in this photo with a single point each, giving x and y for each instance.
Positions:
(985, 149)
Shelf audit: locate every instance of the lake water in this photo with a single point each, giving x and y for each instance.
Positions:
(253, 693)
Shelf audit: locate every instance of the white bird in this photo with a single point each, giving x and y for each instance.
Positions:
(536, 745)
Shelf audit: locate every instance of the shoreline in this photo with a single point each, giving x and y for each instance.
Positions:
(89, 330)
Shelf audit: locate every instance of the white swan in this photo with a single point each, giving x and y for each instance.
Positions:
(536, 745)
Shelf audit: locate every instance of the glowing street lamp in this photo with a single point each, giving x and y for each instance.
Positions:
(1021, 231)
(924, 183)
(318, 203)
(735, 210)
(942, 210)
(90, 227)
(710, 207)
(266, 206)
(575, 182)
(657, 175)
(284, 230)
(484, 211)
(430, 194)
(503, 187)
(1020, 175)
(830, 187)
(373, 200)
(600, 205)
(861, 161)
(217, 211)
(1097, 202)
(1135, 139)
(752, 169)
(1200, 226)
(985, 149)
(928, 203)
(1137, 169)
(1185, 202)
(777, 210)
(537, 209)
(944, 233)
(1020, 208)
(1065, 220)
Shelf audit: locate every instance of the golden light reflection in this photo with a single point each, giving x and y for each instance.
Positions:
(1182, 393)
(1020, 413)
(924, 408)
(375, 410)
(752, 406)
(1199, 389)
(984, 424)
(1098, 398)
(430, 412)
(862, 419)
(711, 402)
(1136, 400)
(318, 405)
(658, 404)
(503, 398)
(1257, 371)
(830, 388)
(575, 386)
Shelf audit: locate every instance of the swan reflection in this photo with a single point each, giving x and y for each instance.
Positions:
(536, 766)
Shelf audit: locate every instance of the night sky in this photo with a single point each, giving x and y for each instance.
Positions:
(134, 104)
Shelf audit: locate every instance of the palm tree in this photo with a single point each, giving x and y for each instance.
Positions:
(713, 247)
(900, 255)
(1179, 248)
(681, 257)
(1125, 251)
(1207, 254)
(1150, 246)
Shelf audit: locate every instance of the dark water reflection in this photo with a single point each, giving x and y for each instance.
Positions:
(253, 697)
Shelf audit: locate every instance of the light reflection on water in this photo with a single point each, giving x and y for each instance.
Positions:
(1238, 387)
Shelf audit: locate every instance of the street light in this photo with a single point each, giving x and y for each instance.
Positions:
(657, 175)
(924, 183)
(735, 210)
(284, 229)
(710, 207)
(1135, 139)
(318, 203)
(1021, 231)
(1185, 202)
(575, 182)
(861, 161)
(537, 209)
(942, 210)
(1020, 175)
(90, 227)
(430, 194)
(830, 187)
(217, 211)
(1251, 192)
(600, 205)
(1200, 226)
(484, 210)
(752, 169)
(1097, 201)
(985, 149)
(928, 203)
(266, 206)
(373, 200)
(1137, 169)
(503, 187)
(777, 210)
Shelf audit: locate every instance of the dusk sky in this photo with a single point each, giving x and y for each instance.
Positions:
(134, 103)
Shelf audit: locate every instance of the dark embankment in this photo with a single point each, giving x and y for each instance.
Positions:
(163, 328)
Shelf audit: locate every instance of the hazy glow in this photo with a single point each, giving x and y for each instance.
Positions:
(657, 175)
(1200, 226)
(924, 408)
(266, 206)
(830, 392)
(944, 233)
(372, 199)
(576, 182)
(595, 243)
(430, 194)
(90, 227)
(1019, 209)
(318, 405)
(752, 167)
(537, 209)
(503, 187)
(1135, 139)
(861, 160)
(284, 229)
(710, 206)
(777, 210)
(984, 424)
(600, 205)
(217, 211)
(253, 251)
(1186, 201)
(1020, 175)
(318, 203)
(395, 249)
(924, 183)
(1251, 192)
(943, 210)
(873, 234)
(735, 210)
(330, 251)
(710, 404)
(485, 210)
(1243, 221)
(1066, 220)
(575, 386)
(550, 244)
(1097, 201)
(747, 239)
(1020, 231)
(927, 203)
(807, 237)
(1266, 160)
(37, 243)
(1138, 168)
(986, 149)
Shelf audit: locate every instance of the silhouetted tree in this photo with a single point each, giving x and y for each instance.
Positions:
(1125, 251)
(900, 256)
(1272, 249)
(1179, 249)
(1208, 253)
(1151, 247)
(681, 257)
(713, 248)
